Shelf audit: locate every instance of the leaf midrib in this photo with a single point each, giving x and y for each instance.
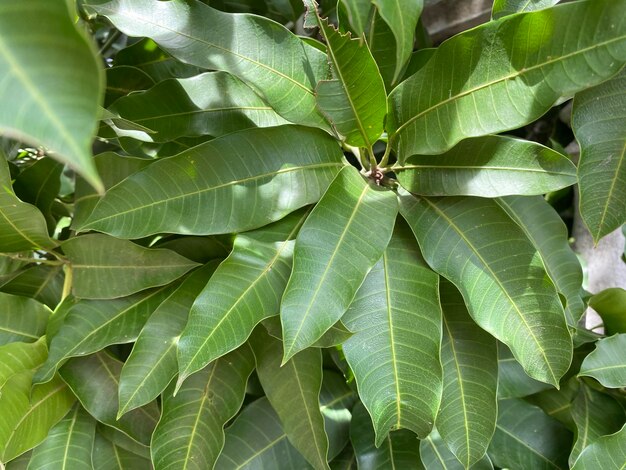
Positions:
(532, 449)
(482, 167)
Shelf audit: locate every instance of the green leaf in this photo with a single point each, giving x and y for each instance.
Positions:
(121, 440)
(21, 319)
(611, 306)
(512, 70)
(595, 414)
(402, 18)
(507, 292)
(285, 76)
(606, 363)
(245, 289)
(42, 103)
(547, 232)
(338, 244)
(607, 453)
(39, 282)
(108, 456)
(213, 103)
(598, 123)
(122, 80)
(152, 363)
(199, 249)
(20, 357)
(294, 390)
(190, 433)
(106, 268)
(344, 461)
(88, 326)
(357, 12)
(518, 444)
(488, 166)
(336, 401)
(436, 455)
(68, 444)
(197, 191)
(256, 440)
(508, 7)
(400, 449)
(354, 101)
(394, 353)
(513, 382)
(469, 355)
(94, 380)
(558, 403)
(29, 413)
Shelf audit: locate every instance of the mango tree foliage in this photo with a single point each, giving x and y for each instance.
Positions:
(292, 234)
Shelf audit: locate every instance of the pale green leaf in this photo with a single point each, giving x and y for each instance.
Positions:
(508, 7)
(19, 357)
(488, 166)
(201, 191)
(506, 73)
(598, 122)
(611, 306)
(108, 456)
(339, 243)
(21, 319)
(190, 433)
(507, 292)
(607, 363)
(607, 453)
(436, 455)
(394, 353)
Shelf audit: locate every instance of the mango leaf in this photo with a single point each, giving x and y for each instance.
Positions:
(106, 267)
(88, 326)
(94, 380)
(344, 461)
(245, 289)
(513, 382)
(547, 232)
(335, 336)
(607, 453)
(213, 103)
(42, 104)
(597, 120)
(436, 455)
(19, 357)
(29, 413)
(467, 417)
(200, 187)
(293, 390)
(382, 43)
(468, 240)
(357, 14)
(394, 353)
(400, 449)
(354, 101)
(508, 7)
(611, 306)
(191, 430)
(595, 414)
(108, 456)
(338, 244)
(121, 440)
(488, 166)
(517, 444)
(336, 401)
(402, 18)
(606, 363)
(256, 440)
(21, 319)
(558, 403)
(512, 70)
(285, 76)
(68, 444)
(199, 249)
(39, 282)
(152, 362)
(122, 80)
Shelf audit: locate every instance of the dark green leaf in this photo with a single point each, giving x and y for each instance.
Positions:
(42, 283)
(558, 403)
(611, 305)
(607, 363)
(336, 401)
(357, 13)
(21, 319)
(108, 456)
(436, 455)
(607, 453)
(513, 382)
(122, 80)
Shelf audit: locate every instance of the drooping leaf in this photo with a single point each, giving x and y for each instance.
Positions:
(507, 292)
(256, 440)
(595, 414)
(88, 326)
(39, 282)
(108, 456)
(513, 382)
(548, 234)
(508, 7)
(488, 166)
(42, 103)
(245, 289)
(21, 319)
(68, 444)
(190, 433)
(338, 244)
(469, 355)
(357, 14)
(517, 444)
(597, 120)
(204, 187)
(394, 353)
(152, 362)
(19, 357)
(354, 100)
(607, 363)
(106, 267)
(506, 74)
(400, 449)
(94, 380)
(607, 453)
(436, 455)
(294, 390)
(611, 306)
(285, 75)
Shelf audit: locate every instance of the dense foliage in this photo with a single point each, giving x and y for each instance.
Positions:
(287, 235)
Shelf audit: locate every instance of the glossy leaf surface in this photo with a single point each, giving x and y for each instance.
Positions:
(607, 363)
(436, 455)
(509, 7)
(608, 453)
(21, 319)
